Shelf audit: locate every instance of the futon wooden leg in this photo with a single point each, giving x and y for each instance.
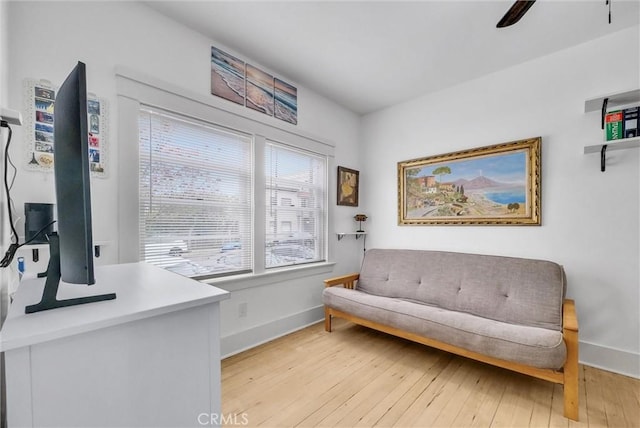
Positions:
(327, 319)
(571, 376)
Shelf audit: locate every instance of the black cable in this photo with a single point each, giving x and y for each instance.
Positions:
(8, 256)
(5, 124)
(14, 245)
(13, 248)
(13, 177)
(11, 252)
(34, 237)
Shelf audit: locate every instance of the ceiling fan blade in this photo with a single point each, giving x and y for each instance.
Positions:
(517, 11)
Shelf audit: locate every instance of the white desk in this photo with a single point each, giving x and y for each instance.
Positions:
(151, 357)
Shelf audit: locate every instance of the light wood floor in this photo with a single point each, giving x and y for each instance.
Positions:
(357, 377)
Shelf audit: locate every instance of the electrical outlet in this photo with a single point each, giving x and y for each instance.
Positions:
(242, 309)
(13, 117)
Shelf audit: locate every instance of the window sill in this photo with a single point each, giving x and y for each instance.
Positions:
(241, 282)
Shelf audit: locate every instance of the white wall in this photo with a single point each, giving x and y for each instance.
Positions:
(4, 100)
(4, 277)
(4, 53)
(106, 34)
(590, 219)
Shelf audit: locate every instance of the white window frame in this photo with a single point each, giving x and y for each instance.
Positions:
(239, 145)
(134, 90)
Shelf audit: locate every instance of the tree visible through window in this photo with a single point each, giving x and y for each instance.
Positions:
(195, 196)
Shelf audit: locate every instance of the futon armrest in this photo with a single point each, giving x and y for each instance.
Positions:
(346, 280)
(569, 317)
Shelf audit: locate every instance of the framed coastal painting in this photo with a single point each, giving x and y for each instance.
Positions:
(227, 76)
(493, 185)
(286, 101)
(237, 81)
(259, 90)
(348, 183)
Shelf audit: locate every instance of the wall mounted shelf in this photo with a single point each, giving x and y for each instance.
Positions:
(614, 100)
(605, 103)
(357, 234)
(625, 143)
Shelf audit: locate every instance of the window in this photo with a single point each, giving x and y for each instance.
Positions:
(210, 187)
(195, 196)
(295, 229)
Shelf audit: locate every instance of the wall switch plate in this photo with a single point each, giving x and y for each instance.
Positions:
(242, 310)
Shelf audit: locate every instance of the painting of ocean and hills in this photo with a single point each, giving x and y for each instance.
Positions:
(489, 186)
(259, 90)
(227, 76)
(286, 102)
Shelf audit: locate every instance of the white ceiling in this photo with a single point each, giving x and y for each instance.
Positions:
(369, 55)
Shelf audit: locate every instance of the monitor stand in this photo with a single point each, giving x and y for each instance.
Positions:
(49, 294)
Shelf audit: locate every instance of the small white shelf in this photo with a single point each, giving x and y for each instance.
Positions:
(625, 143)
(614, 100)
(357, 234)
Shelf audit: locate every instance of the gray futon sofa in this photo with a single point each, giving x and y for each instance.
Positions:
(506, 311)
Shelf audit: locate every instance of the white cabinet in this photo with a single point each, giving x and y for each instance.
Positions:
(151, 357)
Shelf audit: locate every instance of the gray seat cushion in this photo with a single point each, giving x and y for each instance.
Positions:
(533, 346)
(512, 290)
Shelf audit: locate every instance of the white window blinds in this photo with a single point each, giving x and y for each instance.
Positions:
(195, 195)
(295, 183)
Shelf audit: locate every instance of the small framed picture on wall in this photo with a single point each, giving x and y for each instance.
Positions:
(348, 182)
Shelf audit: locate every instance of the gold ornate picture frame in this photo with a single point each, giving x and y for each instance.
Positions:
(492, 185)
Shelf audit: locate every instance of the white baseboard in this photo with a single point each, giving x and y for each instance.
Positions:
(247, 339)
(610, 359)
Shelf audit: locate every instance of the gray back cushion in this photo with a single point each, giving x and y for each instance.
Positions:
(518, 291)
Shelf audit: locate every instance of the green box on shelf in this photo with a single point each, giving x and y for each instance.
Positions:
(614, 125)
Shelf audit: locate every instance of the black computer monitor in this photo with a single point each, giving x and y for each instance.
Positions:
(71, 249)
